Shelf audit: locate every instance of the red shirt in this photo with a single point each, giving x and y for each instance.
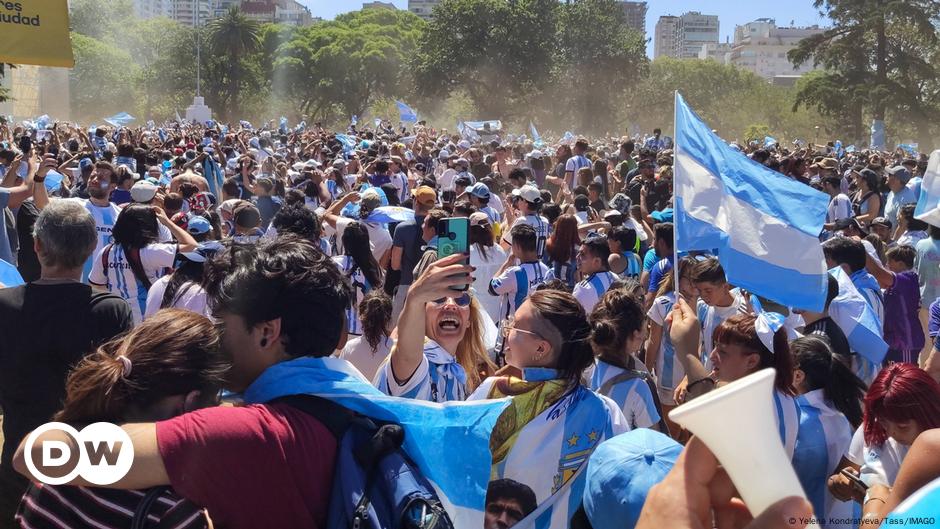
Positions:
(252, 466)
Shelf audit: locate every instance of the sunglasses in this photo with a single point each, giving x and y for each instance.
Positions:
(462, 301)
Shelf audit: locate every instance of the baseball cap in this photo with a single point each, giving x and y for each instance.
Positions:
(203, 252)
(464, 144)
(443, 155)
(479, 190)
(620, 474)
(462, 181)
(311, 164)
(900, 172)
(228, 206)
(370, 199)
(85, 163)
(536, 154)
(529, 193)
(198, 225)
(425, 195)
(479, 219)
(881, 221)
(665, 215)
(462, 161)
(143, 191)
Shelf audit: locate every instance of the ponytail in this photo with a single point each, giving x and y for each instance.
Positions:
(823, 370)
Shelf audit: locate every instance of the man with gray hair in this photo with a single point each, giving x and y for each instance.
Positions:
(46, 327)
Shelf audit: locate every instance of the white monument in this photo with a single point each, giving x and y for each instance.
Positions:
(198, 112)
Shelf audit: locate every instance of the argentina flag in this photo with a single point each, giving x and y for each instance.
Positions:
(764, 225)
(928, 204)
(857, 319)
(406, 113)
(449, 442)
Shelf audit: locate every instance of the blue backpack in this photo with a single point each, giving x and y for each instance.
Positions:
(375, 484)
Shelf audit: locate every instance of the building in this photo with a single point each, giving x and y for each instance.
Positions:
(664, 37)
(378, 5)
(422, 8)
(761, 47)
(153, 8)
(292, 13)
(34, 91)
(263, 11)
(635, 13)
(716, 51)
(693, 31)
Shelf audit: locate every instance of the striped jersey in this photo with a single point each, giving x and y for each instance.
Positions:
(400, 181)
(573, 165)
(632, 395)
(105, 217)
(439, 378)
(55, 507)
(566, 270)
(117, 276)
(516, 283)
(542, 231)
(824, 437)
(710, 318)
(669, 370)
(788, 420)
(634, 266)
(589, 291)
(362, 287)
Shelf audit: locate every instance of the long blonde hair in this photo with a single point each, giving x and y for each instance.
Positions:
(471, 351)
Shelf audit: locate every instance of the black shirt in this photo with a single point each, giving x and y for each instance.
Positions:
(45, 329)
(26, 260)
(828, 329)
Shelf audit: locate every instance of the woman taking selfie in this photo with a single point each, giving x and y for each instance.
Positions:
(439, 354)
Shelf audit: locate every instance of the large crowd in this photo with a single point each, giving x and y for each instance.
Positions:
(176, 276)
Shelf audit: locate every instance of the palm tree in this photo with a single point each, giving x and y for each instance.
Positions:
(233, 37)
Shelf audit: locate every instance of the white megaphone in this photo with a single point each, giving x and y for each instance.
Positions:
(737, 424)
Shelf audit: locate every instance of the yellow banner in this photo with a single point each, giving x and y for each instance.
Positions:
(35, 32)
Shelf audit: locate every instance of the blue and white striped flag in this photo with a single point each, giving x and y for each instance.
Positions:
(349, 143)
(120, 120)
(753, 215)
(857, 319)
(536, 137)
(406, 113)
(449, 442)
(214, 175)
(928, 204)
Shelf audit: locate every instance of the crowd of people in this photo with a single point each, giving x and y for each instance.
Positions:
(168, 270)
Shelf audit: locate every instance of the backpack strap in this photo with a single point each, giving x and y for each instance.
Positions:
(630, 374)
(104, 264)
(137, 266)
(143, 508)
(335, 417)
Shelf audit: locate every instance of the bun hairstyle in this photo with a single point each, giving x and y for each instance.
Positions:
(172, 353)
(740, 330)
(823, 370)
(564, 324)
(617, 316)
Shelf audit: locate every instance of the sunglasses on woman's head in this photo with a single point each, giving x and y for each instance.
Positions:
(461, 301)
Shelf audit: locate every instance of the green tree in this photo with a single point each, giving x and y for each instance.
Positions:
(232, 40)
(4, 93)
(103, 20)
(867, 55)
(599, 59)
(344, 66)
(102, 81)
(165, 52)
(499, 52)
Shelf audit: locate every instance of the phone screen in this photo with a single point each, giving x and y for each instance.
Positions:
(453, 237)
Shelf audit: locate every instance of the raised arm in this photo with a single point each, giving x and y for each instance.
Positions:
(185, 241)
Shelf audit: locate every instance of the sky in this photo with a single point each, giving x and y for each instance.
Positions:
(730, 12)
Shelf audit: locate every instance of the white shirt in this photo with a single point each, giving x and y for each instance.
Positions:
(669, 370)
(485, 270)
(840, 207)
(542, 228)
(633, 395)
(400, 181)
(105, 217)
(879, 464)
(573, 165)
(193, 298)
(358, 353)
(710, 318)
(446, 181)
(379, 239)
(119, 278)
(516, 283)
(589, 291)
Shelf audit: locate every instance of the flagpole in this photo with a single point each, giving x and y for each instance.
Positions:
(675, 216)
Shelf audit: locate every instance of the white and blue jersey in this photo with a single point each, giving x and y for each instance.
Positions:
(573, 165)
(439, 378)
(492, 214)
(634, 266)
(113, 271)
(516, 283)
(824, 437)
(400, 181)
(788, 420)
(566, 270)
(632, 395)
(542, 231)
(589, 291)
(669, 370)
(710, 317)
(105, 217)
(359, 282)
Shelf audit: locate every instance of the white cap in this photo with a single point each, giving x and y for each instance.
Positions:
(143, 191)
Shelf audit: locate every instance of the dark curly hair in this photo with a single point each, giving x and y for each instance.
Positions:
(375, 312)
(616, 317)
(288, 279)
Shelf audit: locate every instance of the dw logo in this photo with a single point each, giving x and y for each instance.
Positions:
(101, 453)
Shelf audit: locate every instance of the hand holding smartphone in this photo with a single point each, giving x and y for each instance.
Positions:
(453, 237)
(854, 479)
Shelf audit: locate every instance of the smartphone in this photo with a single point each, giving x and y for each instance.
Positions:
(453, 237)
(854, 479)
